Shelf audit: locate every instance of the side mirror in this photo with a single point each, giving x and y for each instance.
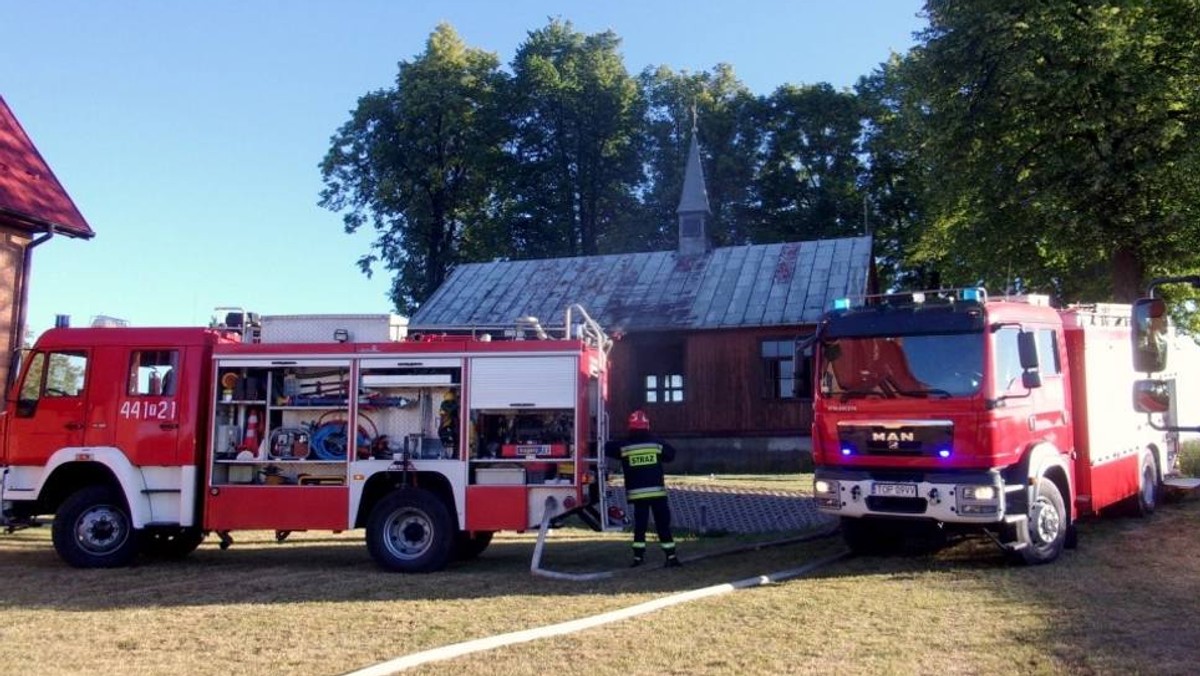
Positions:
(1031, 380)
(1027, 349)
(1151, 396)
(26, 408)
(1031, 377)
(1149, 335)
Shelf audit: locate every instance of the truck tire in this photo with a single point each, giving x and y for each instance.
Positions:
(171, 543)
(1048, 525)
(868, 536)
(1146, 500)
(411, 531)
(93, 529)
(469, 545)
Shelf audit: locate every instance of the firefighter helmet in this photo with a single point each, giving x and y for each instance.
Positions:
(638, 420)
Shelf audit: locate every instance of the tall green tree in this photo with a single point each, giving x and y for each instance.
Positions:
(807, 182)
(575, 115)
(725, 113)
(1063, 138)
(896, 176)
(417, 163)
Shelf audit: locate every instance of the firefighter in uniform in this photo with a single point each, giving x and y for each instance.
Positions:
(642, 456)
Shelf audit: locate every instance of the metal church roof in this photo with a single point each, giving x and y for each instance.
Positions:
(30, 194)
(744, 286)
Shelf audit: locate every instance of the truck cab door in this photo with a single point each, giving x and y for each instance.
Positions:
(148, 407)
(51, 408)
(1033, 410)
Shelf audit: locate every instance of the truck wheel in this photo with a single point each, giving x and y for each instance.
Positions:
(1147, 495)
(1047, 525)
(469, 545)
(868, 536)
(92, 529)
(411, 531)
(171, 543)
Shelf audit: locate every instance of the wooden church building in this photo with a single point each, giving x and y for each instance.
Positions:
(706, 335)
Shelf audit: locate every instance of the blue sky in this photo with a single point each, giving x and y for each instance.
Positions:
(189, 133)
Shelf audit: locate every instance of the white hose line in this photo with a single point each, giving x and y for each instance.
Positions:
(512, 638)
(535, 566)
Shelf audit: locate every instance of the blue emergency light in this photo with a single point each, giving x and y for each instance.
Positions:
(841, 303)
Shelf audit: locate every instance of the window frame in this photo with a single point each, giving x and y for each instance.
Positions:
(772, 366)
(665, 386)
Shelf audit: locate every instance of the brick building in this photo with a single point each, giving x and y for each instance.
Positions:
(34, 207)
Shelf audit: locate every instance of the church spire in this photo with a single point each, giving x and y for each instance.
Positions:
(693, 212)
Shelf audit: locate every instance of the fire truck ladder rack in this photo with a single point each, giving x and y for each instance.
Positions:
(527, 327)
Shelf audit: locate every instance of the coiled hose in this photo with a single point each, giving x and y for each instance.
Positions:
(330, 440)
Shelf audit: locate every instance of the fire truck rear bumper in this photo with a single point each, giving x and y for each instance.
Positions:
(959, 497)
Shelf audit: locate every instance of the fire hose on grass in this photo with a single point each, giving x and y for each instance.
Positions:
(551, 507)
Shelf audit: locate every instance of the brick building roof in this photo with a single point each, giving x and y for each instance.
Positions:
(30, 195)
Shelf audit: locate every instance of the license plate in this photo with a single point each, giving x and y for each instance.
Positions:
(895, 490)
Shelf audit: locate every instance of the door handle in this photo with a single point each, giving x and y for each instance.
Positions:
(169, 426)
(74, 426)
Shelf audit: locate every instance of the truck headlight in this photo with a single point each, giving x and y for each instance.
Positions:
(978, 500)
(825, 493)
(978, 493)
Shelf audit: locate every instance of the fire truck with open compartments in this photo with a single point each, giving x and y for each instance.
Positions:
(144, 440)
(952, 413)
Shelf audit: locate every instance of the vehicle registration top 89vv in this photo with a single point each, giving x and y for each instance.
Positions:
(895, 490)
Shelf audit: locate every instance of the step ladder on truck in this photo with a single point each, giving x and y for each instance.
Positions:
(142, 441)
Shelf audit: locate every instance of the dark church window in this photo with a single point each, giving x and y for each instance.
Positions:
(785, 378)
(689, 226)
(662, 372)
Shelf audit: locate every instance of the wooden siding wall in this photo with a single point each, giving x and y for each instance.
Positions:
(725, 385)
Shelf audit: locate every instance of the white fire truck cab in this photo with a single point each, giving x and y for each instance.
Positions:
(144, 440)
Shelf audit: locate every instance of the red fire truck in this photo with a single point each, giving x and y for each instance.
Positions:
(954, 413)
(144, 440)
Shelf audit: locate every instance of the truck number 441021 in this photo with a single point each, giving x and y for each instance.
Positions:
(148, 410)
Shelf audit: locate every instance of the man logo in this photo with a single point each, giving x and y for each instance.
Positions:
(893, 439)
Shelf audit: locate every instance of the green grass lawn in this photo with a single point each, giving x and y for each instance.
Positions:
(1125, 601)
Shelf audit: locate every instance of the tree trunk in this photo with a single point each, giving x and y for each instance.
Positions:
(1127, 274)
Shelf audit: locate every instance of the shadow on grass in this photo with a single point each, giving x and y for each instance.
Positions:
(1125, 601)
(322, 567)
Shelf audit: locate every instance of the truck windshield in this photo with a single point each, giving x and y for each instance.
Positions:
(939, 365)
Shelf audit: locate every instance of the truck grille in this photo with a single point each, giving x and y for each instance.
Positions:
(900, 438)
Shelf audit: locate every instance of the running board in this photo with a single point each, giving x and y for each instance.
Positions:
(1021, 522)
(1182, 483)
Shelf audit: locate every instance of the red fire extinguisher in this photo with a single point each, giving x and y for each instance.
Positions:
(250, 440)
